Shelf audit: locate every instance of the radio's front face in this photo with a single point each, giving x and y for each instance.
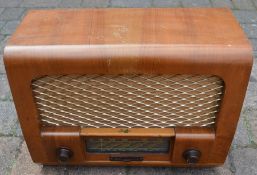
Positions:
(128, 118)
(148, 97)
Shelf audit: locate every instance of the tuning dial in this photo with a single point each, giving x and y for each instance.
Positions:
(192, 156)
(64, 154)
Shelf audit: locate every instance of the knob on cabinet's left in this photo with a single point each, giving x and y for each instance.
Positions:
(64, 154)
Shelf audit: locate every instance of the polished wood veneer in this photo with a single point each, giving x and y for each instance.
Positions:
(198, 41)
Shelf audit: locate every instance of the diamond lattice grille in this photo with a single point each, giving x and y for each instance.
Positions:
(128, 101)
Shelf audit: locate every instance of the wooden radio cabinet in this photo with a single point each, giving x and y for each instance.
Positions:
(129, 86)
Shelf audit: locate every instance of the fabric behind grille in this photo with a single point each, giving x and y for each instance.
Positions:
(128, 101)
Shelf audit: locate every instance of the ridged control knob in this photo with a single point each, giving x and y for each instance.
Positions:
(192, 156)
(64, 154)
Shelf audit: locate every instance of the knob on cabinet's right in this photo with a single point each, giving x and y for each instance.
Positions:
(192, 156)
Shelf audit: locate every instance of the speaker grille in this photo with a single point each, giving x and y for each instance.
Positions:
(113, 101)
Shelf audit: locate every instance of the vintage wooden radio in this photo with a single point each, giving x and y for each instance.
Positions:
(129, 86)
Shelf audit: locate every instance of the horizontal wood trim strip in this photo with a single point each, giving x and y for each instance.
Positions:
(147, 157)
(131, 132)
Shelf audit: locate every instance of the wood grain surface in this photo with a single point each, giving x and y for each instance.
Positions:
(126, 41)
(195, 26)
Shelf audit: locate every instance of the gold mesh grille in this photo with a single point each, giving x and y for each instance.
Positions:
(128, 101)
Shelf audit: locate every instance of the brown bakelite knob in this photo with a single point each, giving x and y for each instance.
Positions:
(192, 156)
(64, 154)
